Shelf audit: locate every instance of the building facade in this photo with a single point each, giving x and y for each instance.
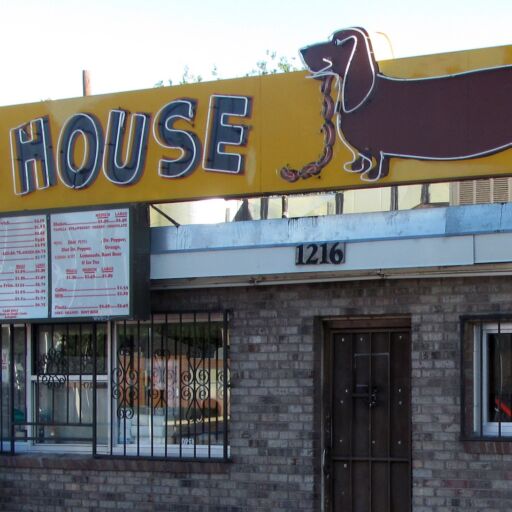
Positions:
(382, 381)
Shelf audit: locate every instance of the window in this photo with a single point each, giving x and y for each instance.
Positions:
(69, 383)
(487, 378)
(157, 388)
(13, 407)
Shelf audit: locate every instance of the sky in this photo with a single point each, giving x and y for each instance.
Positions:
(133, 44)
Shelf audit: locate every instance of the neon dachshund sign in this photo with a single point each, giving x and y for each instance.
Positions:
(231, 138)
(442, 118)
(36, 167)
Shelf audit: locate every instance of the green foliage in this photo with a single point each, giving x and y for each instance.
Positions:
(189, 78)
(163, 83)
(270, 65)
(273, 64)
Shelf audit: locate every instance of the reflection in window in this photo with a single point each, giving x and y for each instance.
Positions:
(499, 377)
(157, 388)
(67, 360)
(13, 408)
(170, 386)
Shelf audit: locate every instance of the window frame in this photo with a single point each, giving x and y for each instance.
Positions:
(217, 451)
(474, 350)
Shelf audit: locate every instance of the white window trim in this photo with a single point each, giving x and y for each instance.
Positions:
(481, 382)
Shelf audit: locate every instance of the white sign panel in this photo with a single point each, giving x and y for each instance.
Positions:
(90, 256)
(23, 267)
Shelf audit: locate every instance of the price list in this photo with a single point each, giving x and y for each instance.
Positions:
(90, 263)
(23, 267)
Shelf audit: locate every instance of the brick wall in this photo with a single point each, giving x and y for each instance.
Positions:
(274, 434)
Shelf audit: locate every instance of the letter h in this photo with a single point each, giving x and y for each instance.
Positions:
(33, 165)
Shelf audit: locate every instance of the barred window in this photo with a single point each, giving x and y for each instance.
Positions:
(487, 378)
(157, 388)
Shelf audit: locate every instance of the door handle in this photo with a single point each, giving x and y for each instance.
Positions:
(364, 392)
(325, 464)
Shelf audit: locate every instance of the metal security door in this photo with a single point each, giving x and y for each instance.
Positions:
(366, 458)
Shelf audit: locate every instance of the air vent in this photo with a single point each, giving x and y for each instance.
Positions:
(493, 190)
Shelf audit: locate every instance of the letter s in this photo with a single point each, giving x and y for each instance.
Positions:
(168, 137)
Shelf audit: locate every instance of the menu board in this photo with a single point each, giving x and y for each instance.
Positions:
(23, 267)
(90, 263)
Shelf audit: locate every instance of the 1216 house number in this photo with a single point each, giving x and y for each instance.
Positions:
(332, 253)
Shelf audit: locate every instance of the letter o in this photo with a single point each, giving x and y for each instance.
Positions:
(82, 175)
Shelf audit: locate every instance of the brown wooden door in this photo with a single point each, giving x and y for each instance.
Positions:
(367, 448)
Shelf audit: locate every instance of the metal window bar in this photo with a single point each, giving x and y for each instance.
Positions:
(136, 399)
(179, 386)
(67, 354)
(180, 373)
(500, 376)
(352, 391)
(36, 392)
(80, 364)
(149, 394)
(194, 376)
(152, 407)
(112, 376)
(94, 389)
(209, 334)
(164, 339)
(389, 391)
(2, 391)
(226, 381)
(370, 414)
(2, 385)
(11, 387)
(481, 373)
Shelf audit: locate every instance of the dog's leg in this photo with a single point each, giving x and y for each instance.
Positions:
(356, 166)
(379, 171)
(363, 163)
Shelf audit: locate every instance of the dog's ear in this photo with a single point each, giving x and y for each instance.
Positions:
(359, 75)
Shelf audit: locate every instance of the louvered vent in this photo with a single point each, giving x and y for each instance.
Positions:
(501, 188)
(493, 190)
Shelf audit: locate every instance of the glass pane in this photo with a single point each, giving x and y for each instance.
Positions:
(369, 200)
(65, 412)
(5, 411)
(63, 370)
(18, 380)
(20, 399)
(409, 196)
(500, 377)
(73, 345)
(168, 382)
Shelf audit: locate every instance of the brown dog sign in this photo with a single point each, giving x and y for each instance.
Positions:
(378, 117)
(395, 122)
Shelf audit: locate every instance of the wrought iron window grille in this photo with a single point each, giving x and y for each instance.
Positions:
(157, 388)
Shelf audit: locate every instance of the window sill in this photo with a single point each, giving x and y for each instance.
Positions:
(488, 446)
(67, 461)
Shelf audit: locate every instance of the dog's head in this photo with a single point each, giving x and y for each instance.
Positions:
(348, 55)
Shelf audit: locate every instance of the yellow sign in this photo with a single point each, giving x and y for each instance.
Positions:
(358, 124)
